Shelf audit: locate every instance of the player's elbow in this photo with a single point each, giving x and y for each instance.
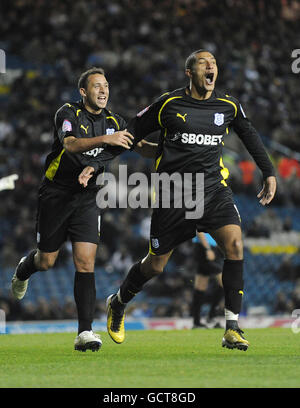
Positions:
(70, 145)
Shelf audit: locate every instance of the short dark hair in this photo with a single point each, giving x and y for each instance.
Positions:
(192, 58)
(83, 79)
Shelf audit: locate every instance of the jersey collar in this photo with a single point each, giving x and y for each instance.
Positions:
(190, 98)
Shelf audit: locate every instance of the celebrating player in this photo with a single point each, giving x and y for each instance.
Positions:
(193, 121)
(67, 196)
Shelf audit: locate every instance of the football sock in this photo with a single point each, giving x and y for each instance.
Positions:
(27, 267)
(85, 299)
(231, 320)
(132, 284)
(233, 284)
(197, 302)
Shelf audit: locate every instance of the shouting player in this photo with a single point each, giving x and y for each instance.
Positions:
(193, 121)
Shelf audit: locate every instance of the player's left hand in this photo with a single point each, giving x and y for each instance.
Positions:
(85, 175)
(268, 191)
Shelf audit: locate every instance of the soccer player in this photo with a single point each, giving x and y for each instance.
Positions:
(193, 121)
(209, 260)
(67, 196)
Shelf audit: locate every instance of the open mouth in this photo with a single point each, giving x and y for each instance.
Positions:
(209, 78)
(101, 98)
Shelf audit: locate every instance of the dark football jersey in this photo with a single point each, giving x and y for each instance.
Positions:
(193, 133)
(72, 119)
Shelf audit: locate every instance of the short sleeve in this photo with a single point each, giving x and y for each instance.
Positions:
(146, 121)
(66, 123)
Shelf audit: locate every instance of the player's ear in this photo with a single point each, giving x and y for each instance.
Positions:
(188, 72)
(82, 92)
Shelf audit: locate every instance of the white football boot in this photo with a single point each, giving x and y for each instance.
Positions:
(87, 340)
(19, 287)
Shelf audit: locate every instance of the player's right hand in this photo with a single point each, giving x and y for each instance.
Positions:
(121, 138)
(267, 193)
(85, 175)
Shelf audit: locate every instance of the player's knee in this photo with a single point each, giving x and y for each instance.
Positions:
(84, 265)
(155, 269)
(45, 263)
(234, 249)
(153, 265)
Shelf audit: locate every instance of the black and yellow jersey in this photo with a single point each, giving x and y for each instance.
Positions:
(193, 132)
(72, 119)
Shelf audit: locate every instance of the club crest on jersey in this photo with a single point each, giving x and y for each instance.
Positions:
(219, 119)
(110, 131)
(154, 243)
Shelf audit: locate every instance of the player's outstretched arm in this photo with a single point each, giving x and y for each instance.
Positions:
(121, 138)
(146, 149)
(267, 193)
(256, 148)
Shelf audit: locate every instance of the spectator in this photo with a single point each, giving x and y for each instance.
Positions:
(286, 271)
(282, 304)
(264, 223)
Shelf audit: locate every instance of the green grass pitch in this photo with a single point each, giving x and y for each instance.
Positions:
(152, 359)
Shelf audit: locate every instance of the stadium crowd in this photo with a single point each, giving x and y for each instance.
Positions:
(142, 48)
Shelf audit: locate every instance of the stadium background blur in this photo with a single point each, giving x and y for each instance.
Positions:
(142, 45)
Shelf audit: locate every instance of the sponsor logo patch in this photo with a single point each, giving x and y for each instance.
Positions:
(66, 126)
(192, 138)
(176, 137)
(181, 116)
(94, 152)
(84, 128)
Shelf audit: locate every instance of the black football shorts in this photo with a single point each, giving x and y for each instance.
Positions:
(63, 215)
(169, 226)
